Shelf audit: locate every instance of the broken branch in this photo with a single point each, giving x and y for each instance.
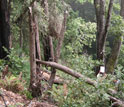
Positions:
(68, 71)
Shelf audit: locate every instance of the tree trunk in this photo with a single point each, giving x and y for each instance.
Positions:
(58, 49)
(21, 42)
(47, 40)
(112, 61)
(68, 71)
(46, 48)
(34, 83)
(102, 26)
(4, 28)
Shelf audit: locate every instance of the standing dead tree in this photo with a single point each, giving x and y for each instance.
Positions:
(35, 83)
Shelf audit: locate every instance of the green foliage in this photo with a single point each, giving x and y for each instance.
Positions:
(27, 94)
(12, 83)
(83, 1)
(83, 64)
(78, 34)
(15, 62)
(81, 94)
(117, 25)
(2, 63)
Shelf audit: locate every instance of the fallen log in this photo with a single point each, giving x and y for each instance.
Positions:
(68, 71)
(57, 80)
(116, 101)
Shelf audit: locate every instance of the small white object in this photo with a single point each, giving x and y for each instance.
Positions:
(99, 75)
(102, 69)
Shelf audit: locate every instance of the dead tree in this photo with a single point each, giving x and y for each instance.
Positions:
(35, 85)
(68, 71)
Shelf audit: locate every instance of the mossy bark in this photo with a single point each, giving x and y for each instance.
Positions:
(112, 61)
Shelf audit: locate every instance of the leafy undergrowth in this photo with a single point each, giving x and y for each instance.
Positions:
(16, 94)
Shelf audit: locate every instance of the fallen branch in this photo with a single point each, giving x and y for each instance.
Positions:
(3, 100)
(57, 80)
(68, 71)
(116, 101)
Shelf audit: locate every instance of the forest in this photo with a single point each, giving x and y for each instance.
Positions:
(61, 53)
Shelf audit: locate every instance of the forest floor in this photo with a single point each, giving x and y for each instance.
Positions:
(16, 100)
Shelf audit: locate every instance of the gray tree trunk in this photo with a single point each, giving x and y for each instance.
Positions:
(35, 86)
(112, 61)
(102, 26)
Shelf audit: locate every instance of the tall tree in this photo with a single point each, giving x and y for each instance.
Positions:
(102, 26)
(112, 61)
(4, 28)
(35, 83)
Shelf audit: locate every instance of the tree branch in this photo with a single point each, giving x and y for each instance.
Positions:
(68, 71)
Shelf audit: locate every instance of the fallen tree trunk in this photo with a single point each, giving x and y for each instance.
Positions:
(116, 101)
(57, 80)
(68, 71)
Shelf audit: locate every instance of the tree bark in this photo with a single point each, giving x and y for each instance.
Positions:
(34, 82)
(112, 61)
(47, 40)
(102, 26)
(117, 102)
(4, 28)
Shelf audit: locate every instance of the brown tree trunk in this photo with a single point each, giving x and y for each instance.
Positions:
(34, 83)
(38, 55)
(4, 28)
(47, 40)
(21, 42)
(68, 71)
(112, 61)
(102, 26)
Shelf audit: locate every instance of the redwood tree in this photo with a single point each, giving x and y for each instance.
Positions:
(4, 28)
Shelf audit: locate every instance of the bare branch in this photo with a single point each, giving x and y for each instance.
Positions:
(68, 71)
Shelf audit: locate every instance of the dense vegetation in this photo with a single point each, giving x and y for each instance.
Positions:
(70, 35)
